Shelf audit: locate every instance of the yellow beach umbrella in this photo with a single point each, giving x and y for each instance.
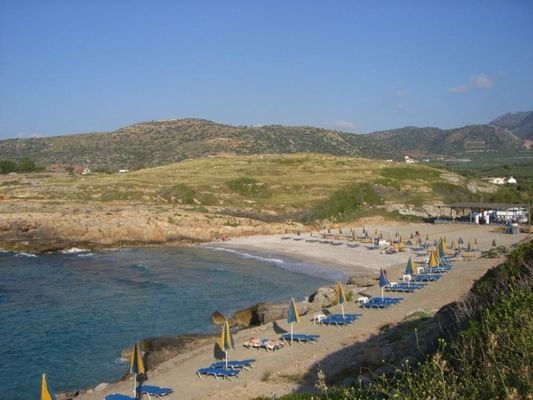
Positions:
(136, 366)
(46, 391)
(226, 340)
(293, 316)
(341, 296)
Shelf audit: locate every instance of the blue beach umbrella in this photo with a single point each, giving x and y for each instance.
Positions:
(441, 251)
(226, 340)
(383, 281)
(136, 366)
(409, 269)
(46, 391)
(341, 296)
(293, 316)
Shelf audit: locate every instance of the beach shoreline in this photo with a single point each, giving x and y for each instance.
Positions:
(184, 364)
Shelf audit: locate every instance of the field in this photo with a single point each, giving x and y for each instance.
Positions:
(304, 187)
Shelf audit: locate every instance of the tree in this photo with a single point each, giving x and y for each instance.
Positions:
(7, 166)
(26, 165)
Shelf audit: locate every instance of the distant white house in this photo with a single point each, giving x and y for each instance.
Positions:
(502, 180)
(123, 171)
(410, 160)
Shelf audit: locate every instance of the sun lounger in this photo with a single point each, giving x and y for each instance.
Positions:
(300, 338)
(339, 319)
(244, 364)
(153, 391)
(116, 396)
(216, 372)
(427, 277)
(378, 302)
(401, 289)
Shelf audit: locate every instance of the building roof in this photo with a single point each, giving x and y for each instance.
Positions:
(485, 206)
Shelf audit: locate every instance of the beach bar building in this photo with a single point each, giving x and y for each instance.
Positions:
(479, 212)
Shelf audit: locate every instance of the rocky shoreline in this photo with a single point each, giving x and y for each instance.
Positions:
(158, 350)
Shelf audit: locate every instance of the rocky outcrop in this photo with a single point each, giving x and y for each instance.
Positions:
(35, 228)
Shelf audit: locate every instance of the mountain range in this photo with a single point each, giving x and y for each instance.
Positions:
(521, 123)
(154, 143)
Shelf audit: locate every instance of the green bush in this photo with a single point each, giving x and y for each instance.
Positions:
(345, 204)
(181, 193)
(249, 187)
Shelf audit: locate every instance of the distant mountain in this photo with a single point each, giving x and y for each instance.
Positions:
(156, 143)
(520, 123)
(424, 142)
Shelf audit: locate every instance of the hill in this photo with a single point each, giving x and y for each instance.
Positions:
(154, 143)
(210, 197)
(149, 144)
(430, 142)
(521, 123)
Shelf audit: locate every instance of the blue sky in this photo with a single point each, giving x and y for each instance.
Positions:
(70, 66)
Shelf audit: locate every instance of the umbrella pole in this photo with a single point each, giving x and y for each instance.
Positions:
(226, 353)
(382, 293)
(134, 385)
(342, 307)
(292, 324)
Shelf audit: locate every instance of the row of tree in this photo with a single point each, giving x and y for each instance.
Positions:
(22, 165)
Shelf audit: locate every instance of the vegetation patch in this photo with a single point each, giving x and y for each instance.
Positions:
(183, 194)
(410, 173)
(249, 187)
(345, 204)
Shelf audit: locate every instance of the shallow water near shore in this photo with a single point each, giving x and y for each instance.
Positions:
(70, 315)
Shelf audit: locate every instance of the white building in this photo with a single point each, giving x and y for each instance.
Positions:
(511, 181)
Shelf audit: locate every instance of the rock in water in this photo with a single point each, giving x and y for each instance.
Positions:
(218, 318)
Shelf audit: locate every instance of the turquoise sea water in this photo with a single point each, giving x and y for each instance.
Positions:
(70, 315)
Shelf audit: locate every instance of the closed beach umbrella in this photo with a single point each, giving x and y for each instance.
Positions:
(293, 316)
(226, 340)
(341, 296)
(136, 366)
(383, 281)
(46, 391)
(441, 251)
(409, 268)
(433, 261)
(427, 237)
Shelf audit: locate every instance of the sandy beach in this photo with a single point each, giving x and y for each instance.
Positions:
(294, 367)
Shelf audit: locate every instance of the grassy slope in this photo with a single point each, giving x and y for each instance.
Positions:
(322, 186)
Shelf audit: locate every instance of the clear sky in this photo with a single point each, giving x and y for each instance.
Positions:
(69, 66)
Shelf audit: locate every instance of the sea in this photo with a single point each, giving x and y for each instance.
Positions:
(69, 314)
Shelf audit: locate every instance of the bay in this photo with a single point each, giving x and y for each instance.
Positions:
(70, 315)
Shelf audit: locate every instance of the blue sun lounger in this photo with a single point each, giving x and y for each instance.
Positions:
(217, 373)
(244, 364)
(339, 319)
(401, 289)
(299, 337)
(153, 391)
(427, 277)
(378, 302)
(116, 396)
